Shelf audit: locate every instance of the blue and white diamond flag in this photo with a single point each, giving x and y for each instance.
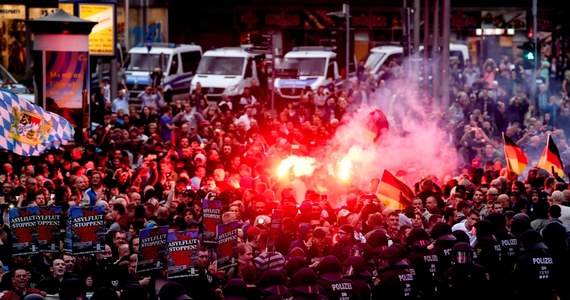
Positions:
(29, 130)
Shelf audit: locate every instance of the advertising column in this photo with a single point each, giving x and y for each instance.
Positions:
(61, 51)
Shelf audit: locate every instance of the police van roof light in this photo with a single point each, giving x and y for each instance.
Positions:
(312, 48)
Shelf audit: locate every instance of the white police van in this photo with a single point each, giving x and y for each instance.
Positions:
(315, 66)
(227, 71)
(178, 64)
(383, 55)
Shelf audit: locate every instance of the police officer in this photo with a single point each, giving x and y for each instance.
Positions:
(272, 283)
(488, 250)
(444, 242)
(356, 269)
(510, 250)
(424, 261)
(331, 282)
(534, 269)
(396, 279)
(304, 286)
(465, 279)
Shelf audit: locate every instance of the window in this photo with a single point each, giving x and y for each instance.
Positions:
(190, 61)
(174, 66)
(221, 65)
(330, 71)
(248, 68)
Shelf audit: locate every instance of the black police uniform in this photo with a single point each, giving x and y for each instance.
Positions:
(488, 255)
(442, 249)
(534, 270)
(395, 282)
(303, 286)
(510, 250)
(425, 263)
(466, 280)
(331, 282)
(357, 271)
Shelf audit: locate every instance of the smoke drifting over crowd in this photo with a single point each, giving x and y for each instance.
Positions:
(416, 145)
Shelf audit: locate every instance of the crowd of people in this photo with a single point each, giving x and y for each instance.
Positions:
(486, 233)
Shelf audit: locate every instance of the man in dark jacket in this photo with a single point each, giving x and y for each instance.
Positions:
(345, 242)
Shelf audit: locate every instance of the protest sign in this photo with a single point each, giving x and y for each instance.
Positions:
(49, 236)
(212, 215)
(152, 249)
(182, 249)
(227, 240)
(85, 233)
(23, 225)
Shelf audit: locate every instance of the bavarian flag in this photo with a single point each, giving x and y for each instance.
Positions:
(29, 130)
(394, 193)
(550, 159)
(515, 157)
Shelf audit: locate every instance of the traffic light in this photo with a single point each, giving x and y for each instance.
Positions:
(529, 55)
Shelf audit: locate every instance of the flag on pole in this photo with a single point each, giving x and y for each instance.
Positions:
(550, 159)
(514, 155)
(394, 193)
(29, 130)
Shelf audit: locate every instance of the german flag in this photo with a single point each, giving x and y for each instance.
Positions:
(394, 193)
(550, 159)
(516, 159)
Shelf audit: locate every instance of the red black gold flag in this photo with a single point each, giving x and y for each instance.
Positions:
(550, 159)
(394, 193)
(515, 157)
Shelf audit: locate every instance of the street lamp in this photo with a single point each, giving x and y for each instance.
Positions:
(345, 13)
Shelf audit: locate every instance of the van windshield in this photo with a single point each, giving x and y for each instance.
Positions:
(217, 65)
(145, 62)
(307, 66)
(373, 59)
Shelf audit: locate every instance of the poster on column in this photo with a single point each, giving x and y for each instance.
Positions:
(182, 254)
(48, 229)
(23, 224)
(227, 241)
(152, 249)
(85, 233)
(64, 83)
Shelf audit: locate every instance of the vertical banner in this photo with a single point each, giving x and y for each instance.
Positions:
(86, 230)
(23, 224)
(152, 249)
(48, 229)
(276, 220)
(212, 216)
(227, 241)
(182, 253)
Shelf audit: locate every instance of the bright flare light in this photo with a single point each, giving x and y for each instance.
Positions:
(345, 165)
(301, 166)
